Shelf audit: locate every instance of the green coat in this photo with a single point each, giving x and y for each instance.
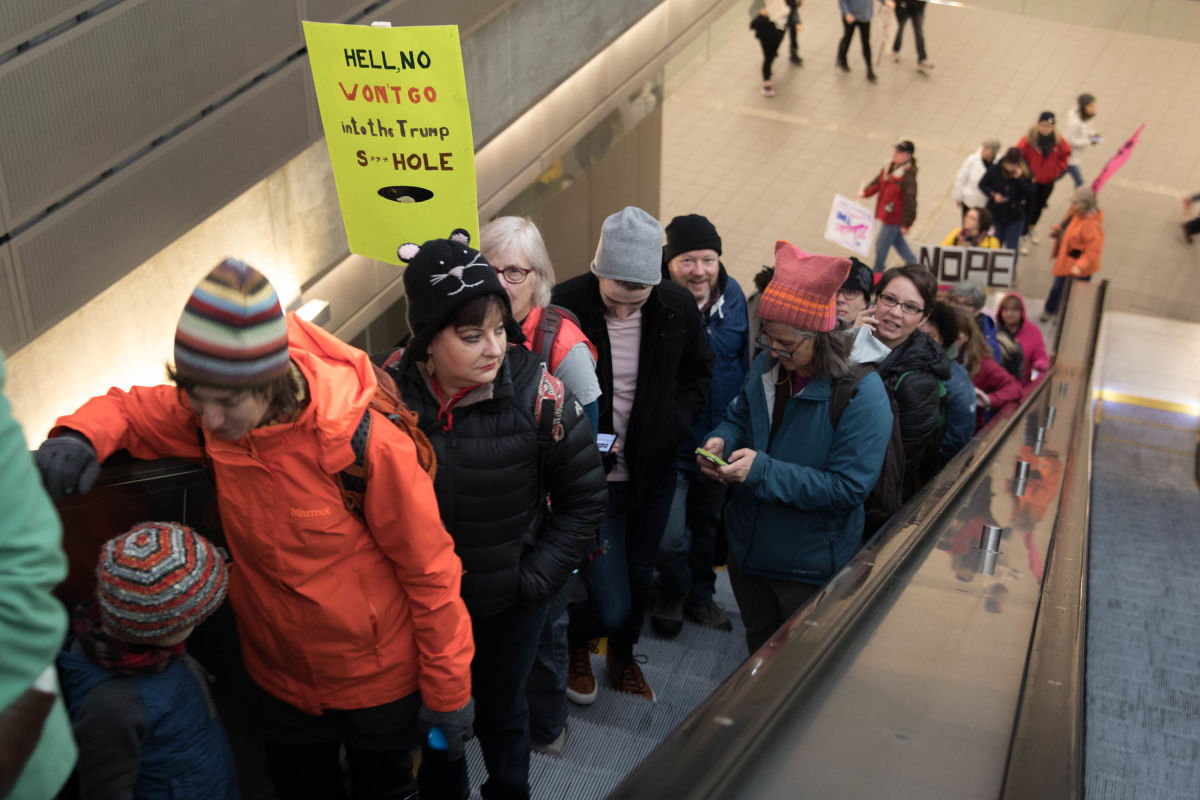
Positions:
(32, 621)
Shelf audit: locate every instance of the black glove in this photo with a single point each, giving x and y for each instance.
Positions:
(68, 464)
(457, 727)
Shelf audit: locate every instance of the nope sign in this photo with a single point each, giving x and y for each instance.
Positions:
(993, 268)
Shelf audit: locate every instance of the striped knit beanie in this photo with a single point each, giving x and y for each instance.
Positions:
(803, 292)
(232, 333)
(157, 579)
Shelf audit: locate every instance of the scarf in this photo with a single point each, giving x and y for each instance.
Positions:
(1046, 144)
(115, 655)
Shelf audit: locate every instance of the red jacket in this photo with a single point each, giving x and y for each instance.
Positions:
(1045, 169)
(897, 189)
(568, 336)
(1001, 388)
(331, 612)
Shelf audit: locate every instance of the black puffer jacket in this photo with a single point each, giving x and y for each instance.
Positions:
(493, 479)
(917, 365)
(674, 369)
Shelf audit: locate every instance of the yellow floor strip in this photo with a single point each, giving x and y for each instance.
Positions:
(1190, 409)
(1172, 450)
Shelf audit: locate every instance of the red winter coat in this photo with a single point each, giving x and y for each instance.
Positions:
(332, 612)
(1000, 387)
(1045, 169)
(896, 186)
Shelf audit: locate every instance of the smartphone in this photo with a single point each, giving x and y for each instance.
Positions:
(605, 441)
(720, 462)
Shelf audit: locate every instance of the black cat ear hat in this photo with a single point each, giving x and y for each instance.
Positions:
(442, 276)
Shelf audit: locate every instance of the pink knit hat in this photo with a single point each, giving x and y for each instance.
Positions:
(803, 292)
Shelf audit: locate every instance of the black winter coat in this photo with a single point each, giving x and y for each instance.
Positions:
(918, 401)
(1019, 191)
(492, 482)
(674, 369)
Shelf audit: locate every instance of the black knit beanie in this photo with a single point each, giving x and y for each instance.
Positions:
(442, 276)
(690, 232)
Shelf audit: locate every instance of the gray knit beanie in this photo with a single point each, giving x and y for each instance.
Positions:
(630, 248)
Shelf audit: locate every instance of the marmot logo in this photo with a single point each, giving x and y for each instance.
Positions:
(310, 512)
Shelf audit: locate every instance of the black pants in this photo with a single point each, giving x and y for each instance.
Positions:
(768, 59)
(302, 750)
(917, 15)
(793, 19)
(766, 603)
(1041, 197)
(864, 37)
(504, 649)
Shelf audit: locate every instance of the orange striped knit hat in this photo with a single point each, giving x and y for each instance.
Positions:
(232, 333)
(803, 292)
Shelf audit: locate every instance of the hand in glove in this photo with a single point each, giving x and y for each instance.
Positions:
(456, 726)
(68, 464)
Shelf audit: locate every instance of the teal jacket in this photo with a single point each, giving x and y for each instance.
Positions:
(799, 514)
(32, 621)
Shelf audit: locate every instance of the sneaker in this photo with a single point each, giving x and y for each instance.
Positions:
(625, 675)
(1023, 249)
(923, 65)
(553, 749)
(1033, 237)
(581, 683)
(710, 615)
(768, 91)
(667, 616)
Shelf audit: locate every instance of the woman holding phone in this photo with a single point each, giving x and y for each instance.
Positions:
(796, 513)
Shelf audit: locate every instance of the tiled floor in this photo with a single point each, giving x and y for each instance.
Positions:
(767, 168)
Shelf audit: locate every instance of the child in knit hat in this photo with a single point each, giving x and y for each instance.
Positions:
(141, 714)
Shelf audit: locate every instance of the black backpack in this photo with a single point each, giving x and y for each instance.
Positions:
(887, 495)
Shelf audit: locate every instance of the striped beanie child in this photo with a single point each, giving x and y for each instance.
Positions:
(157, 579)
(232, 333)
(803, 292)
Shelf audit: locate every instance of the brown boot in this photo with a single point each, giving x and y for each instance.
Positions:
(581, 683)
(624, 673)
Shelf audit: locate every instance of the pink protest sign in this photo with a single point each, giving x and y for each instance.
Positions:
(1118, 160)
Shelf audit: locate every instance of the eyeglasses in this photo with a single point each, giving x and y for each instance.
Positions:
(513, 275)
(849, 294)
(891, 301)
(764, 342)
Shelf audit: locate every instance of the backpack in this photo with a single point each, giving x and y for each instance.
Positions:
(887, 495)
(387, 402)
(929, 464)
(547, 331)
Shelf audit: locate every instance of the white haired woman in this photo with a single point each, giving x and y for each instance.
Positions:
(516, 251)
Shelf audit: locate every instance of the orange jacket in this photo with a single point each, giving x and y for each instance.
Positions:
(1083, 233)
(331, 613)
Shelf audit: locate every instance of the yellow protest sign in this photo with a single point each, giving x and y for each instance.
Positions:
(393, 105)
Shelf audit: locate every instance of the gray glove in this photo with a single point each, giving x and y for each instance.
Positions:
(68, 464)
(456, 728)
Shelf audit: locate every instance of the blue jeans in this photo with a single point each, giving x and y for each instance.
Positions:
(890, 236)
(1052, 300)
(618, 580)
(1076, 174)
(504, 649)
(685, 557)
(546, 691)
